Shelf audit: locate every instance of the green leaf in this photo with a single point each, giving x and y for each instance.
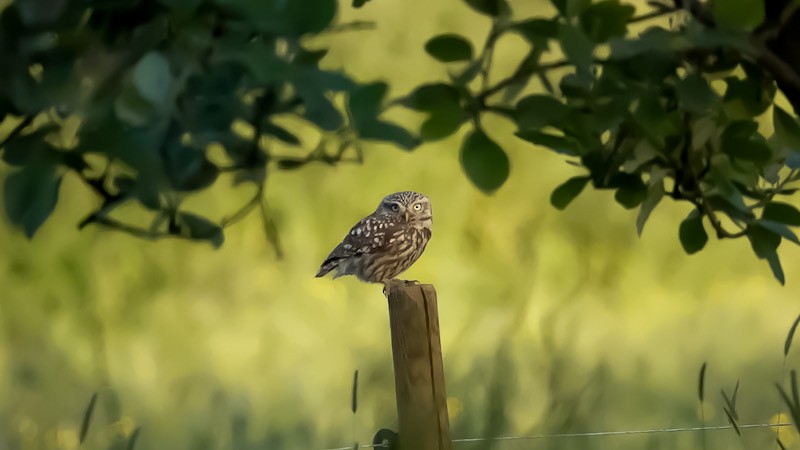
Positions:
(187, 167)
(654, 40)
(753, 94)
(133, 109)
(725, 196)
(782, 213)
(631, 193)
(441, 124)
(388, 132)
(576, 85)
(484, 162)
(692, 234)
(321, 112)
(29, 148)
(763, 240)
(779, 229)
(309, 57)
(787, 130)
(738, 14)
(489, 7)
(536, 111)
(365, 102)
(287, 18)
(309, 16)
(695, 94)
(431, 97)
(741, 140)
(765, 244)
(201, 228)
(654, 195)
(30, 196)
(559, 144)
(606, 19)
(152, 78)
(145, 192)
(793, 160)
(537, 30)
(449, 48)
(563, 195)
(576, 46)
(702, 37)
(570, 8)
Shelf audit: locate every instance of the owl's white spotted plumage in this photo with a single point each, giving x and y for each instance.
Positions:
(387, 242)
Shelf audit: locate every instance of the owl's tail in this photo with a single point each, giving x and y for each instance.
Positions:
(326, 267)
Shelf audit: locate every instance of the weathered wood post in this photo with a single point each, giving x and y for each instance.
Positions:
(418, 368)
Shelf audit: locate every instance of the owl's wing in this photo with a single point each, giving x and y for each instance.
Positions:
(367, 236)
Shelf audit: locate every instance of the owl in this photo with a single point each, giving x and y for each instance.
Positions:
(385, 243)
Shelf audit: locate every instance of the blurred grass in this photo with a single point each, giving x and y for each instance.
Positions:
(551, 321)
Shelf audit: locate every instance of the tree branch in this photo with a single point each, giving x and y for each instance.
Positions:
(785, 75)
(526, 69)
(522, 72)
(135, 231)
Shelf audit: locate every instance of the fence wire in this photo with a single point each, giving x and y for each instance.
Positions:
(591, 434)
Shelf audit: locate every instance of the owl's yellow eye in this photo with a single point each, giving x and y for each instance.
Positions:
(417, 207)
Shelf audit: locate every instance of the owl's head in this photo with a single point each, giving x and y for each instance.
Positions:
(407, 206)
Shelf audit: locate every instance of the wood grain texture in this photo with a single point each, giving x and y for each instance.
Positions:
(418, 368)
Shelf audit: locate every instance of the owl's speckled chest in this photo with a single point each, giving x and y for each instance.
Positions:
(392, 249)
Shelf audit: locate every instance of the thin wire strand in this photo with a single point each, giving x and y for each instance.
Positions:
(623, 432)
(594, 434)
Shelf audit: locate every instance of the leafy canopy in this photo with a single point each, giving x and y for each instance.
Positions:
(134, 96)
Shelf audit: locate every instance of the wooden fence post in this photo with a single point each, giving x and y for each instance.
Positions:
(418, 368)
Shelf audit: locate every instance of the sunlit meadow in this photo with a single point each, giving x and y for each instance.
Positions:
(551, 322)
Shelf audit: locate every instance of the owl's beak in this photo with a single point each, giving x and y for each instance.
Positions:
(406, 216)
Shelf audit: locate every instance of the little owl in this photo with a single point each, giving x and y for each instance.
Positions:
(385, 243)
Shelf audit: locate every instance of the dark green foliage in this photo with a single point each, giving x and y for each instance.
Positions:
(563, 195)
(153, 85)
(449, 48)
(668, 112)
(692, 234)
(606, 19)
(488, 7)
(647, 122)
(739, 14)
(31, 194)
(484, 162)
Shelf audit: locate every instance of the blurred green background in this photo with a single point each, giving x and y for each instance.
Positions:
(551, 321)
